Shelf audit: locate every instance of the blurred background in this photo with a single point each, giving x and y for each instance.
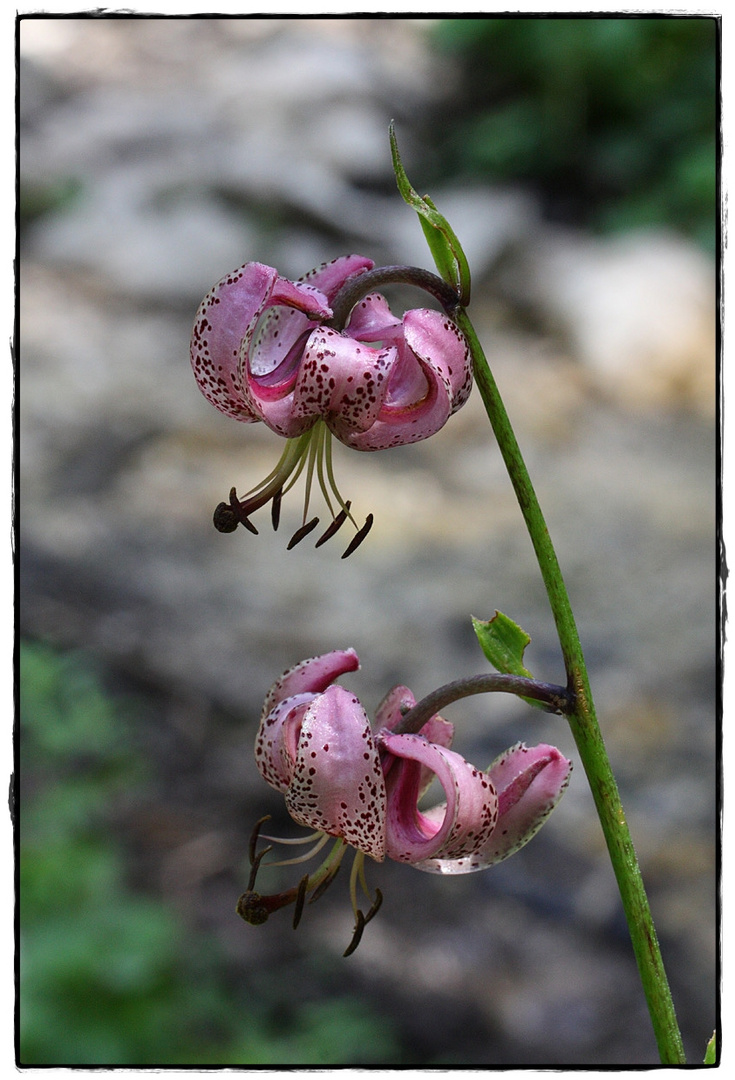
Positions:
(576, 160)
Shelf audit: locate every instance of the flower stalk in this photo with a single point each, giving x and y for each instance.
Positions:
(556, 699)
(583, 720)
(363, 284)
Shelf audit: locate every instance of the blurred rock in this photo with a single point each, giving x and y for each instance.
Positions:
(638, 311)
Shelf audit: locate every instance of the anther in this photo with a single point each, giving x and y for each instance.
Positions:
(359, 927)
(375, 908)
(255, 866)
(276, 508)
(300, 899)
(327, 881)
(237, 508)
(254, 837)
(338, 522)
(299, 535)
(358, 538)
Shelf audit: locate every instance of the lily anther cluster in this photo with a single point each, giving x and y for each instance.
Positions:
(264, 348)
(360, 786)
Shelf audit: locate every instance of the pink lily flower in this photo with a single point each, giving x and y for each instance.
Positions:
(487, 815)
(315, 745)
(262, 349)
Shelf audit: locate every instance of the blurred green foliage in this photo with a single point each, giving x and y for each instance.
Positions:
(612, 120)
(37, 199)
(109, 976)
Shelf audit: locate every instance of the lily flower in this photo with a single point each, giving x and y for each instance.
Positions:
(486, 817)
(343, 781)
(263, 348)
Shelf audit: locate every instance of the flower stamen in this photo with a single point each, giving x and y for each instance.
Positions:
(300, 533)
(357, 935)
(255, 908)
(359, 537)
(336, 524)
(357, 874)
(254, 839)
(300, 900)
(276, 509)
(331, 864)
(307, 854)
(311, 451)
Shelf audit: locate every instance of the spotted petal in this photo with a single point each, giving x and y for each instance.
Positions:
(462, 824)
(437, 730)
(222, 320)
(371, 319)
(430, 381)
(277, 740)
(331, 276)
(529, 783)
(338, 784)
(343, 381)
(311, 676)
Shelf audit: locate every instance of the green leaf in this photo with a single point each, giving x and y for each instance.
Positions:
(503, 643)
(450, 259)
(710, 1057)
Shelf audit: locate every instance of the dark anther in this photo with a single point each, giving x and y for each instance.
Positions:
(254, 837)
(248, 524)
(359, 927)
(358, 538)
(237, 508)
(256, 858)
(255, 866)
(324, 885)
(276, 508)
(338, 522)
(225, 519)
(300, 899)
(299, 535)
(375, 908)
(251, 908)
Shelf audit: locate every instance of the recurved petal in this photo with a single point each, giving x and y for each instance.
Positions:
(391, 711)
(530, 781)
(331, 276)
(439, 343)
(456, 828)
(269, 391)
(341, 380)
(430, 381)
(277, 740)
(338, 784)
(222, 320)
(311, 676)
(372, 319)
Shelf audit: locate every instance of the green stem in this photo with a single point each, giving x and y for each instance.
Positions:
(583, 721)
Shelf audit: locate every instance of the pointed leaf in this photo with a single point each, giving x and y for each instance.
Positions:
(450, 259)
(710, 1057)
(503, 643)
